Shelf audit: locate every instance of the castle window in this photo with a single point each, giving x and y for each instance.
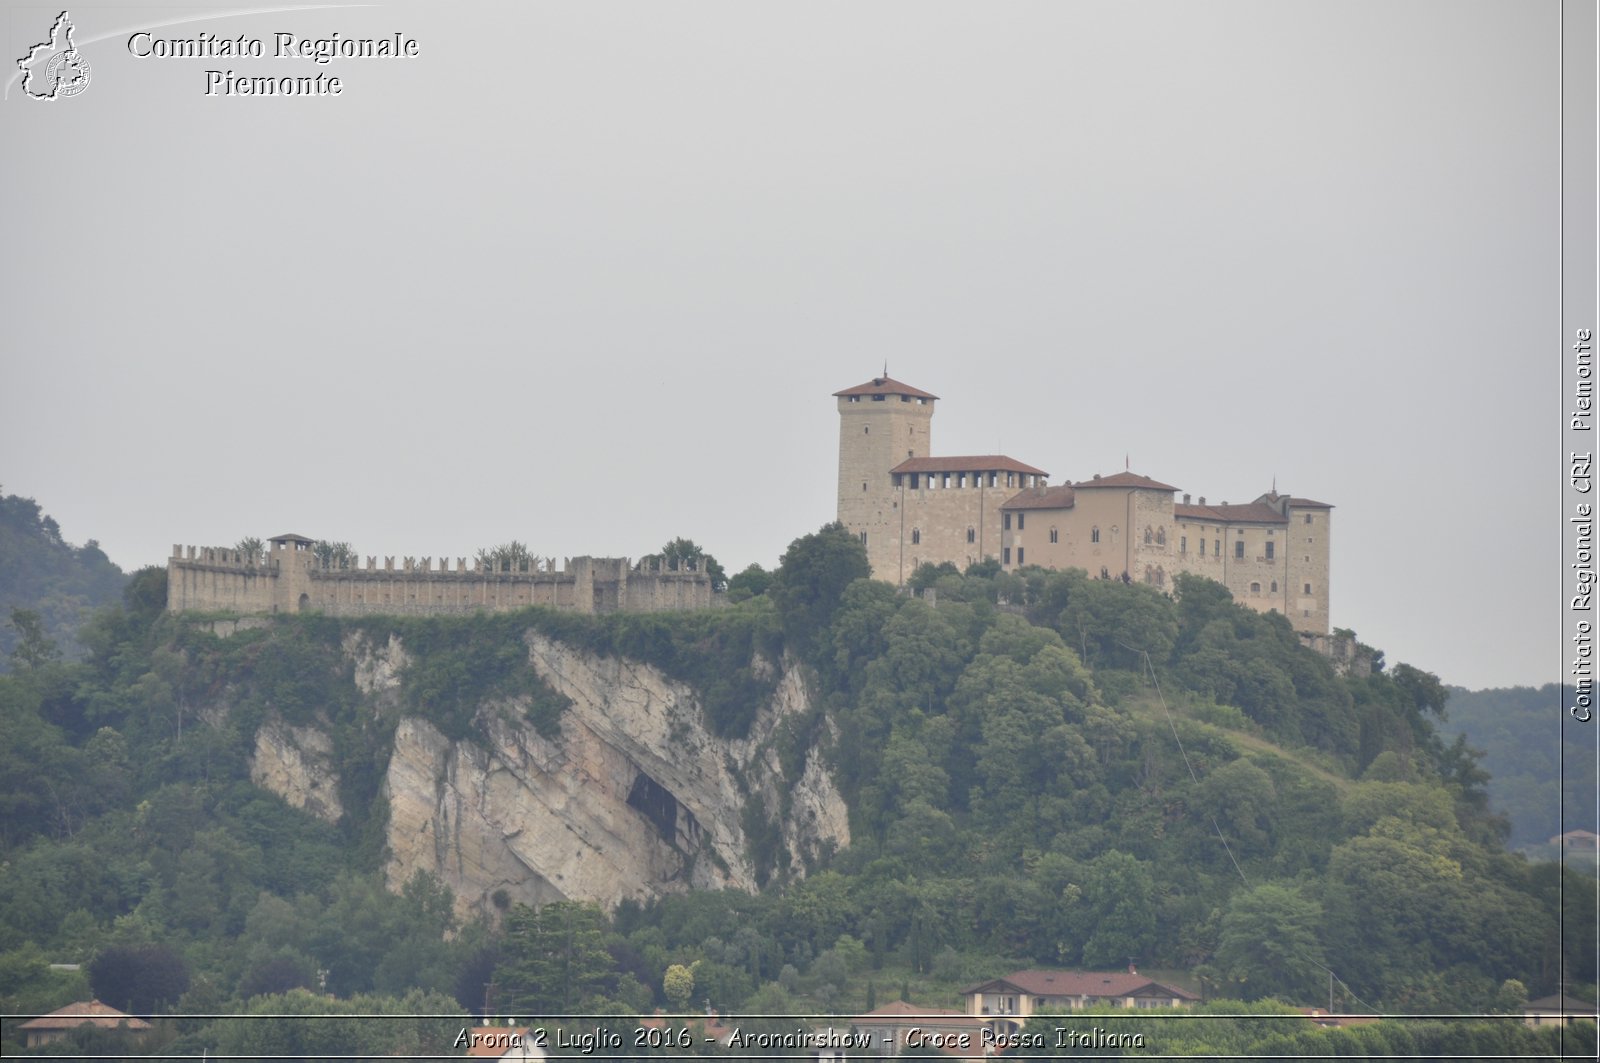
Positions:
(1269, 548)
(1183, 544)
(1005, 521)
(1094, 534)
(863, 538)
(1255, 588)
(1274, 586)
(1216, 547)
(1149, 536)
(1007, 552)
(1011, 479)
(1238, 550)
(1161, 539)
(915, 479)
(863, 485)
(1202, 548)
(1308, 588)
(1019, 555)
(1054, 536)
(1021, 519)
(1161, 577)
(972, 535)
(877, 398)
(1308, 518)
(916, 536)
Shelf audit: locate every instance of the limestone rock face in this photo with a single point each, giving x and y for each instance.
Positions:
(297, 764)
(634, 799)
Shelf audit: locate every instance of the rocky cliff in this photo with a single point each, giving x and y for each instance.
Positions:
(633, 799)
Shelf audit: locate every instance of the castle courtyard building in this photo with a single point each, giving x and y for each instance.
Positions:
(910, 507)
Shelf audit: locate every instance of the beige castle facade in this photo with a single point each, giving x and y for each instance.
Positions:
(910, 507)
(290, 578)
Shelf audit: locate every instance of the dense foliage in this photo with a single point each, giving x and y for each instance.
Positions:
(1532, 777)
(1041, 770)
(55, 583)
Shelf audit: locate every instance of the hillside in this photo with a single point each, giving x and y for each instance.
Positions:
(827, 792)
(1523, 732)
(42, 572)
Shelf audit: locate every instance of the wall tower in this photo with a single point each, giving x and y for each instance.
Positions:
(881, 424)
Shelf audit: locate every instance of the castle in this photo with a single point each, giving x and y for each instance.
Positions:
(290, 577)
(910, 508)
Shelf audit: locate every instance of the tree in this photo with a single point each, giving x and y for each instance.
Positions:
(1268, 946)
(812, 577)
(752, 582)
(554, 958)
(513, 556)
(333, 554)
(139, 979)
(685, 555)
(677, 985)
(34, 648)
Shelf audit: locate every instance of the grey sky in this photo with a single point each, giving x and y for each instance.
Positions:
(585, 274)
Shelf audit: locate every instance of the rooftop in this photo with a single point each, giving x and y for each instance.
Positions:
(85, 1013)
(1058, 497)
(1125, 479)
(1251, 513)
(884, 385)
(968, 463)
(1081, 984)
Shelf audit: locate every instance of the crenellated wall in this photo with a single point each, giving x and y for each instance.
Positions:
(290, 578)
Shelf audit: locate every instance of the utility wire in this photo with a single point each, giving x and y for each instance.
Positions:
(1173, 726)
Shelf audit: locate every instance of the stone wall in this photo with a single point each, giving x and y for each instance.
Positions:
(288, 580)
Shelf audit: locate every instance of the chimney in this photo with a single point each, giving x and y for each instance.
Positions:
(1202, 500)
(1131, 968)
(1186, 498)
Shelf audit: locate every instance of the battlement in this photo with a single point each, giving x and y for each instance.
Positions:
(291, 576)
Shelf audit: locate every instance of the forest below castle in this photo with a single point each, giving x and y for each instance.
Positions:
(1041, 770)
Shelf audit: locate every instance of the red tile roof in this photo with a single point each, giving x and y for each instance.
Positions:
(1306, 503)
(1125, 479)
(1082, 984)
(85, 1013)
(1252, 513)
(1058, 497)
(883, 385)
(967, 463)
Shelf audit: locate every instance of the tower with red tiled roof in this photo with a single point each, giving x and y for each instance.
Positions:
(907, 505)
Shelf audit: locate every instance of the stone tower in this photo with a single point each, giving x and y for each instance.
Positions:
(881, 424)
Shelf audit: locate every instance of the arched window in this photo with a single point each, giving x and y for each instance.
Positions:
(916, 536)
(1161, 537)
(1094, 534)
(1161, 576)
(1149, 536)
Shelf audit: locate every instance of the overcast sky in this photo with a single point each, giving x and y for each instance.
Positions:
(586, 274)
